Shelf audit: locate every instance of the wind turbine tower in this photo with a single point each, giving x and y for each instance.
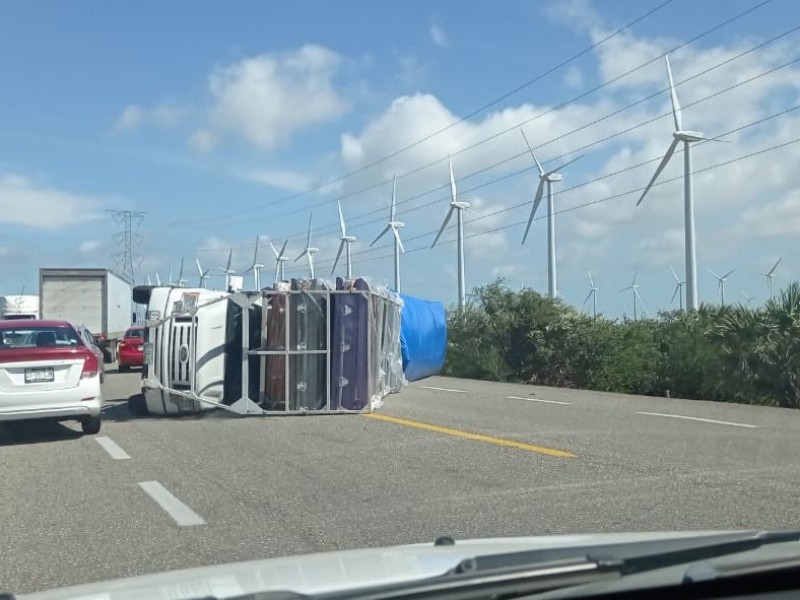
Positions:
(721, 279)
(280, 258)
(344, 244)
(770, 275)
(309, 251)
(394, 226)
(687, 138)
(549, 178)
(593, 295)
(256, 267)
(459, 206)
(678, 289)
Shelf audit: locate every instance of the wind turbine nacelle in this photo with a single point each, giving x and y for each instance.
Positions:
(348, 238)
(553, 177)
(689, 136)
(397, 224)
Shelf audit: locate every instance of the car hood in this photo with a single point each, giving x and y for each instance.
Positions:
(330, 571)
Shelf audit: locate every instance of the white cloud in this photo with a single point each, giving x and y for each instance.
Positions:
(202, 141)
(167, 114)
(266, 99)
(284, 179)
(438, 36)
(779, 218)
(23, 202)
(88, 246)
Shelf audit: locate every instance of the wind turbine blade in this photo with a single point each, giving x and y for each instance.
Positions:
(180, 273)
(169, 275)
(675, 275)
(444, 224)
(635, 275)
(302, 254)
(199, 268)
(625, 289)
(399, 241)
(714, 274)
(255, 254)
(283, 249)
(538, 166)
(338, 255)
(453, 193)
(470, 211)
(149, 282)
(775, 266)
(569, 162)
(591, 281)
(393, 209)
(676, 107)
(728, 274)
(230, 257)
(380, 235)
(662, 164)
(274, 249)
(158, 279)
(537, 200)
(675, 293)
(589, 295)
(341, 217)
(308, 238)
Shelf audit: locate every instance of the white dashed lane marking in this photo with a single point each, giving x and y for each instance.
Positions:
(438, 389)
(111, 447)
(714, 421)
(182, 514)
(536, 400)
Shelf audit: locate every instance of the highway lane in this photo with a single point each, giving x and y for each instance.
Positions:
(276, 486)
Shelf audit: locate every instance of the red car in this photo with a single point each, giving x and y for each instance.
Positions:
(131, 349)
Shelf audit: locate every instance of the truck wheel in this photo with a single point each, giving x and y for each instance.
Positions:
(90, 425)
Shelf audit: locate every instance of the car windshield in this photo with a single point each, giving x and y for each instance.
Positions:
(134, 333)
(32, 337)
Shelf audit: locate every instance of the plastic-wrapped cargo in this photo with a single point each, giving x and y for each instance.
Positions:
(423, 337)
(308, 332)
(273, 337)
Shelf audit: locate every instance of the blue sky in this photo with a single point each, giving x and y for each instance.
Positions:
(226, 124)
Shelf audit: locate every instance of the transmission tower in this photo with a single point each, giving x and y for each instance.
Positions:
(128, 239)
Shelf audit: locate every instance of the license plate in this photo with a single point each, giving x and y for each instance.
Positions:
(39, 375)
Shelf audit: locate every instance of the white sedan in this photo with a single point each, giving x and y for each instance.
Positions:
(47, 371)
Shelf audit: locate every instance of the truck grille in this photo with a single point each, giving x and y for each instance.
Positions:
(181, 349)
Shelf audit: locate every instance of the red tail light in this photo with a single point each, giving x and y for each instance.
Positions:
(90, 366)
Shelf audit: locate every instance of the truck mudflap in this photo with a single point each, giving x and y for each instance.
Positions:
(188, 402)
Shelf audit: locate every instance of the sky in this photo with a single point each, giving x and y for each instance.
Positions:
(226, 124)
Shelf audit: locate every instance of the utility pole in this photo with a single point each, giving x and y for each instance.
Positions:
(127, 239)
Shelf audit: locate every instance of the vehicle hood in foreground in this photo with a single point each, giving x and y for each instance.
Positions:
(331, 571)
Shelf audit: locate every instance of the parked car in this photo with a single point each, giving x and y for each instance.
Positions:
(94, 345)
(48, 371)
(131, 349)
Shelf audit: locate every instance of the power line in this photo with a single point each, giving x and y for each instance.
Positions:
(586, 146)
(128, 259)
(585, 204)
(321, 186)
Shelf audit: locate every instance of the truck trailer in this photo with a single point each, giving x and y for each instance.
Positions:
(99, 299)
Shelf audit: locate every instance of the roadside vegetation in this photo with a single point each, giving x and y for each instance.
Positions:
(731, 354)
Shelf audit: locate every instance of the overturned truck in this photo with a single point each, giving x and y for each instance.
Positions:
(300, 347)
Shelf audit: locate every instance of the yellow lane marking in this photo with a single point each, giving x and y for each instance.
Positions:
(467, 435)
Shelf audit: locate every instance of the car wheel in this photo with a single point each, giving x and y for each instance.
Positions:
(90, 425)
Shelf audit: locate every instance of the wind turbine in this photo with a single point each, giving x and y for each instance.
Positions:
(636, 297)
(394, 226)
(169, 275)
(149, 282)
(459, 206)
(721, 279)
(687, 137)
(678, 288)
(203, 274)
(181, 281)
(280, 258)
(256, 268)
(158, 279)
(344, 244)
(770, 274)
(593, 295)
(309, 251)
(548, 177)
(228, 271)
(747, 298)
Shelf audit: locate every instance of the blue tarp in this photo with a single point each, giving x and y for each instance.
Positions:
(423, 337)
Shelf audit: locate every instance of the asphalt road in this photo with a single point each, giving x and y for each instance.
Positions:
(444, 457)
